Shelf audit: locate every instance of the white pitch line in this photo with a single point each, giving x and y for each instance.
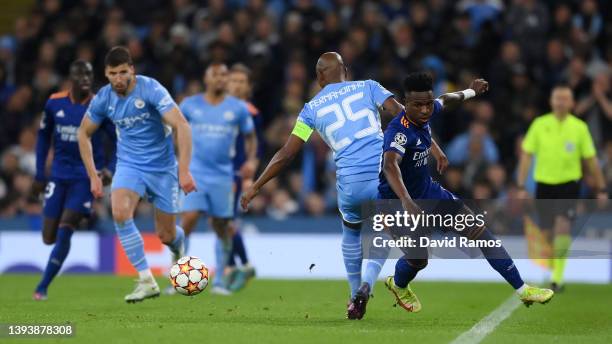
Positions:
(485, 326)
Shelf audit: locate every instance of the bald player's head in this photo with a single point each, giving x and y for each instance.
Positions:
(330, 69)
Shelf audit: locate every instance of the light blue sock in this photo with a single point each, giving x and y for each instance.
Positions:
(176, 245)
(376, 259)
(352, 255)
(223, 249)
(187, 241)
(132, 243)
(372, 271)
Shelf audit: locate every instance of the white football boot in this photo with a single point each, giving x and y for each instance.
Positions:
(145, 289)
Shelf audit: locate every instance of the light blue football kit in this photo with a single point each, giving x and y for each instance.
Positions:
(146, 163)
(214, 131)
(346, 116)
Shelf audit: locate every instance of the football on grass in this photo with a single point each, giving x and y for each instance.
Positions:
(189, 276)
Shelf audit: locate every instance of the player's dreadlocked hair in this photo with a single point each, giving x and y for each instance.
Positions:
(418, 82)
(117, 56)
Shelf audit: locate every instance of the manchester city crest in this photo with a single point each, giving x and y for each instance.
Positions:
(139, 103)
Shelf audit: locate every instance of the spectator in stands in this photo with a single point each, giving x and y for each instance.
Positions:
(475, 145)
(523, 47)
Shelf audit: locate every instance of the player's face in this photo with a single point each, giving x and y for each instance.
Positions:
(562, 100)
(215, 78)
(238, 85)
(419, 106)
(81, 76)
(120, 77)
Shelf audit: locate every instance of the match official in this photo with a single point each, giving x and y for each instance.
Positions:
(560, 143)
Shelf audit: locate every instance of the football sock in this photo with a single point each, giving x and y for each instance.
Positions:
(223, 249)
(376, 259)
(372, 271)
(352, 255)
(561, 246)
(232, 257)
(56, 259)
(132, 243)
(186, 243)
(405, 272)
(239, 248)
(499, 260)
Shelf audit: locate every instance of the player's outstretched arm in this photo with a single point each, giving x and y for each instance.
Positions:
(278, 163)
(451, 100)
(175, 119)
(84, 134)
(441, 159)
(393, 173)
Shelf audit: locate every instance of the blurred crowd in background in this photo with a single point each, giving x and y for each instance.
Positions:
(523, 47)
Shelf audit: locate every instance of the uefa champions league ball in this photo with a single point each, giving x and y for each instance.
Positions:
(189, 276)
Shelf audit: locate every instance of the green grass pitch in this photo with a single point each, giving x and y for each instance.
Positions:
(278, 311)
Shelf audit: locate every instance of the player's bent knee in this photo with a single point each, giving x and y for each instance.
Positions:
(121, 216)
(474, 233)
(220, 223)
(71, 219)
(418, 264)
(49, 232)
(352, 225)
(48, 239)
(165, 237)
(562, 225)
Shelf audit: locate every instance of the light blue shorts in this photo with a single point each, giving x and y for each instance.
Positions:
(159, 188)
(352, 195)
(216, 199)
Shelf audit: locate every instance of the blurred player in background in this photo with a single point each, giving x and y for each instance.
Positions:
(240, 85)
(68, 198)
(560, 142)
(405, 176)
(216, 119)
(345, 113)
(145, 115)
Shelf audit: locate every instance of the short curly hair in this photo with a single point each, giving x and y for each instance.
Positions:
(418, 82)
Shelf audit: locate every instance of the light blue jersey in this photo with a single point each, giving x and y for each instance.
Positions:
(214, 129)
(146, 163)
(144, 142)
(346, 116)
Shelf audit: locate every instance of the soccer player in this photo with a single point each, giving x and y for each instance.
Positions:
(560, 142)
(145, 116)
(405, 176)
(216, 119)
(345, 113)
(240, 85)
(67, 196)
